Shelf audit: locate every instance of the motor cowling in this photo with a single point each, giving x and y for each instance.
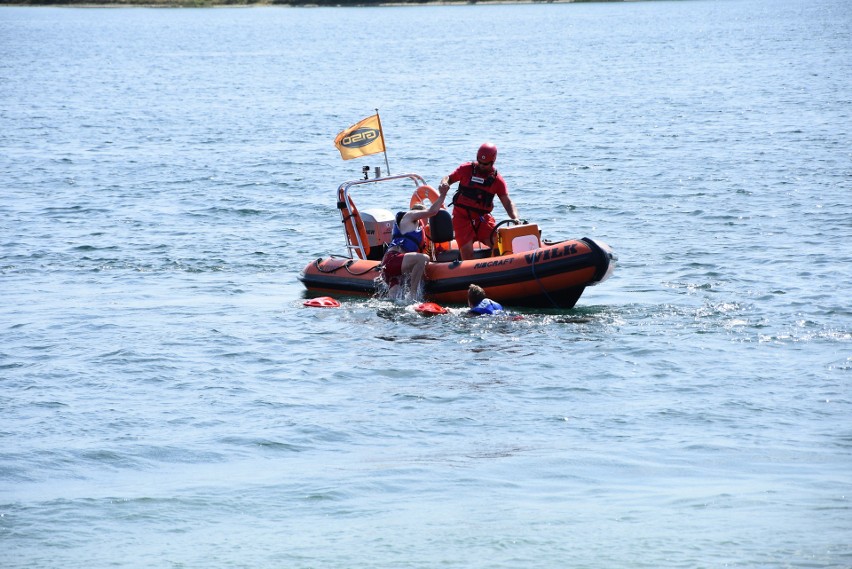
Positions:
(379, 226)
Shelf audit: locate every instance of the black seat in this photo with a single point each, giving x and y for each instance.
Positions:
(441, 234)
(441, 227)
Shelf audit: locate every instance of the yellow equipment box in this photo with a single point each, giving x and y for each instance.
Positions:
(518, 238)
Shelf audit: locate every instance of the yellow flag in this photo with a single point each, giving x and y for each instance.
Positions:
(361, 139)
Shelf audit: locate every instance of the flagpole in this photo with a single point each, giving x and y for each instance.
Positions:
(382, 134)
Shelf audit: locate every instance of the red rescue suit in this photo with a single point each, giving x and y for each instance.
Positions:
(473, 202)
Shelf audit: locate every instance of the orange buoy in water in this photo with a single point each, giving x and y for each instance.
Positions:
(322, 302)
(430, 309)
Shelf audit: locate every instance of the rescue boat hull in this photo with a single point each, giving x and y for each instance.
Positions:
(552, 276)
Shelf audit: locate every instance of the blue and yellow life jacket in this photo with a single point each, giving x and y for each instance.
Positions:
(410, 242)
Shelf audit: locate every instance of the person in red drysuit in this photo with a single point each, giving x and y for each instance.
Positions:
(478, 183)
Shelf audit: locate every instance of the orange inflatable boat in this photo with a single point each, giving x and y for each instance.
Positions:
(521, 270)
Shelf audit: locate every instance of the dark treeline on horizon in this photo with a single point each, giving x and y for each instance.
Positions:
(199, 3)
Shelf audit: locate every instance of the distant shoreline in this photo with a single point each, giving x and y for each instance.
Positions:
(250, 3)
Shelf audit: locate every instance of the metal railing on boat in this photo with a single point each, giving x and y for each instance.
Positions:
(345, 204)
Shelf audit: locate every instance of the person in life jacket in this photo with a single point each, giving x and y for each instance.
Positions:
(473, 202)
(403, 258)
(479, 303)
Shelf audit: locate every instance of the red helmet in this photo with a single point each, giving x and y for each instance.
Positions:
(487, 153)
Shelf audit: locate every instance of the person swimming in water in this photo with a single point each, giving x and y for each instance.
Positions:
(479, 303)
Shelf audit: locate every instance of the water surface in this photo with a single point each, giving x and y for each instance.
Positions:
(167, 400)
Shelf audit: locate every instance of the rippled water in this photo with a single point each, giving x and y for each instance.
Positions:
(167, 401)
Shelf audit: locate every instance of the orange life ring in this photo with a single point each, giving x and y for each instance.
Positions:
(422, 194)
(353, 224)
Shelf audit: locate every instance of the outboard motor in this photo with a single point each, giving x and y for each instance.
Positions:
(379, 226)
